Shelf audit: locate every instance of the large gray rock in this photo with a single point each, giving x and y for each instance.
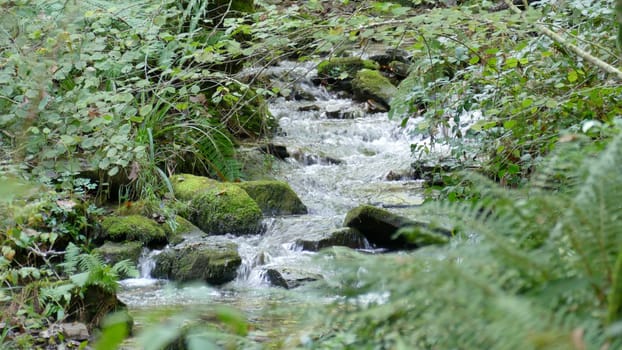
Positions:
(289, 278)
(380, 226)
(346, 237)
(211, 262)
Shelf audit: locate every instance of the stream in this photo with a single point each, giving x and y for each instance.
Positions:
(336, 165)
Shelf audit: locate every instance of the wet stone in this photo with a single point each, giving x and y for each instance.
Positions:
(289, 278)
(312, 159)
(346, 237)
(75, 330)
(380, 226)
(309, 108)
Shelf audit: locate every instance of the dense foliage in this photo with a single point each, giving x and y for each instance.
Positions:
(107, 99)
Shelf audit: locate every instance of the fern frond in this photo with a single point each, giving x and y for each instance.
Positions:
(72, 259)
(125, 268)
(591, 224)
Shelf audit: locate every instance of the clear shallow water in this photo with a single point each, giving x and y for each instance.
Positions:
(362, 151)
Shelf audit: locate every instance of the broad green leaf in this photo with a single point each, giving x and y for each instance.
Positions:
(510, 124)
(113, 171)
(572, 76)
(145, 110)
(511, 62)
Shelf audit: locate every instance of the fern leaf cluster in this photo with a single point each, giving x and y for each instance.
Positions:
(91, 269)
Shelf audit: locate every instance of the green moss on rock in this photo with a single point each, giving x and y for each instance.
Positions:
(218, 208)
(371, 84)
(343, 67)
(274, 197)
(133, 228)
(214, 263)
(113, 252)
(187, 186)
(182, 228)
(229, 210)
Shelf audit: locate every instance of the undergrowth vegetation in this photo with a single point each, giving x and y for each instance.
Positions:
(535, 268)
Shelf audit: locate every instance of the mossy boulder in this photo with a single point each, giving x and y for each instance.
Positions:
(274, 197)
(371, 84)
(346, 237)
(113, 252)
(218, 208)
(343, 67)
(380, 227)
(338, 72)
(181, 229)
(213, 262)
(133, 228)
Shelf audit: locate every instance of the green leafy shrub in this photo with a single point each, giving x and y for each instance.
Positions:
(82, 85)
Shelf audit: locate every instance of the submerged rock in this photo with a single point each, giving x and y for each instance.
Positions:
(343, 112)
(372, 85)
(133, 228)
(216, 207)
(289, 278)
(113, 252)
(380, 227)
(211, 262)
(347, 237)
(312, 159)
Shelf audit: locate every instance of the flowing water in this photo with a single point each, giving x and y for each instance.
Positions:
(336, 164)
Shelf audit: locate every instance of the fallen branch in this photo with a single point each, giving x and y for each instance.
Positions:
(577, 50)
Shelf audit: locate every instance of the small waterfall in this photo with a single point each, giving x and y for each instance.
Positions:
(146, 262)
(249, 271)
